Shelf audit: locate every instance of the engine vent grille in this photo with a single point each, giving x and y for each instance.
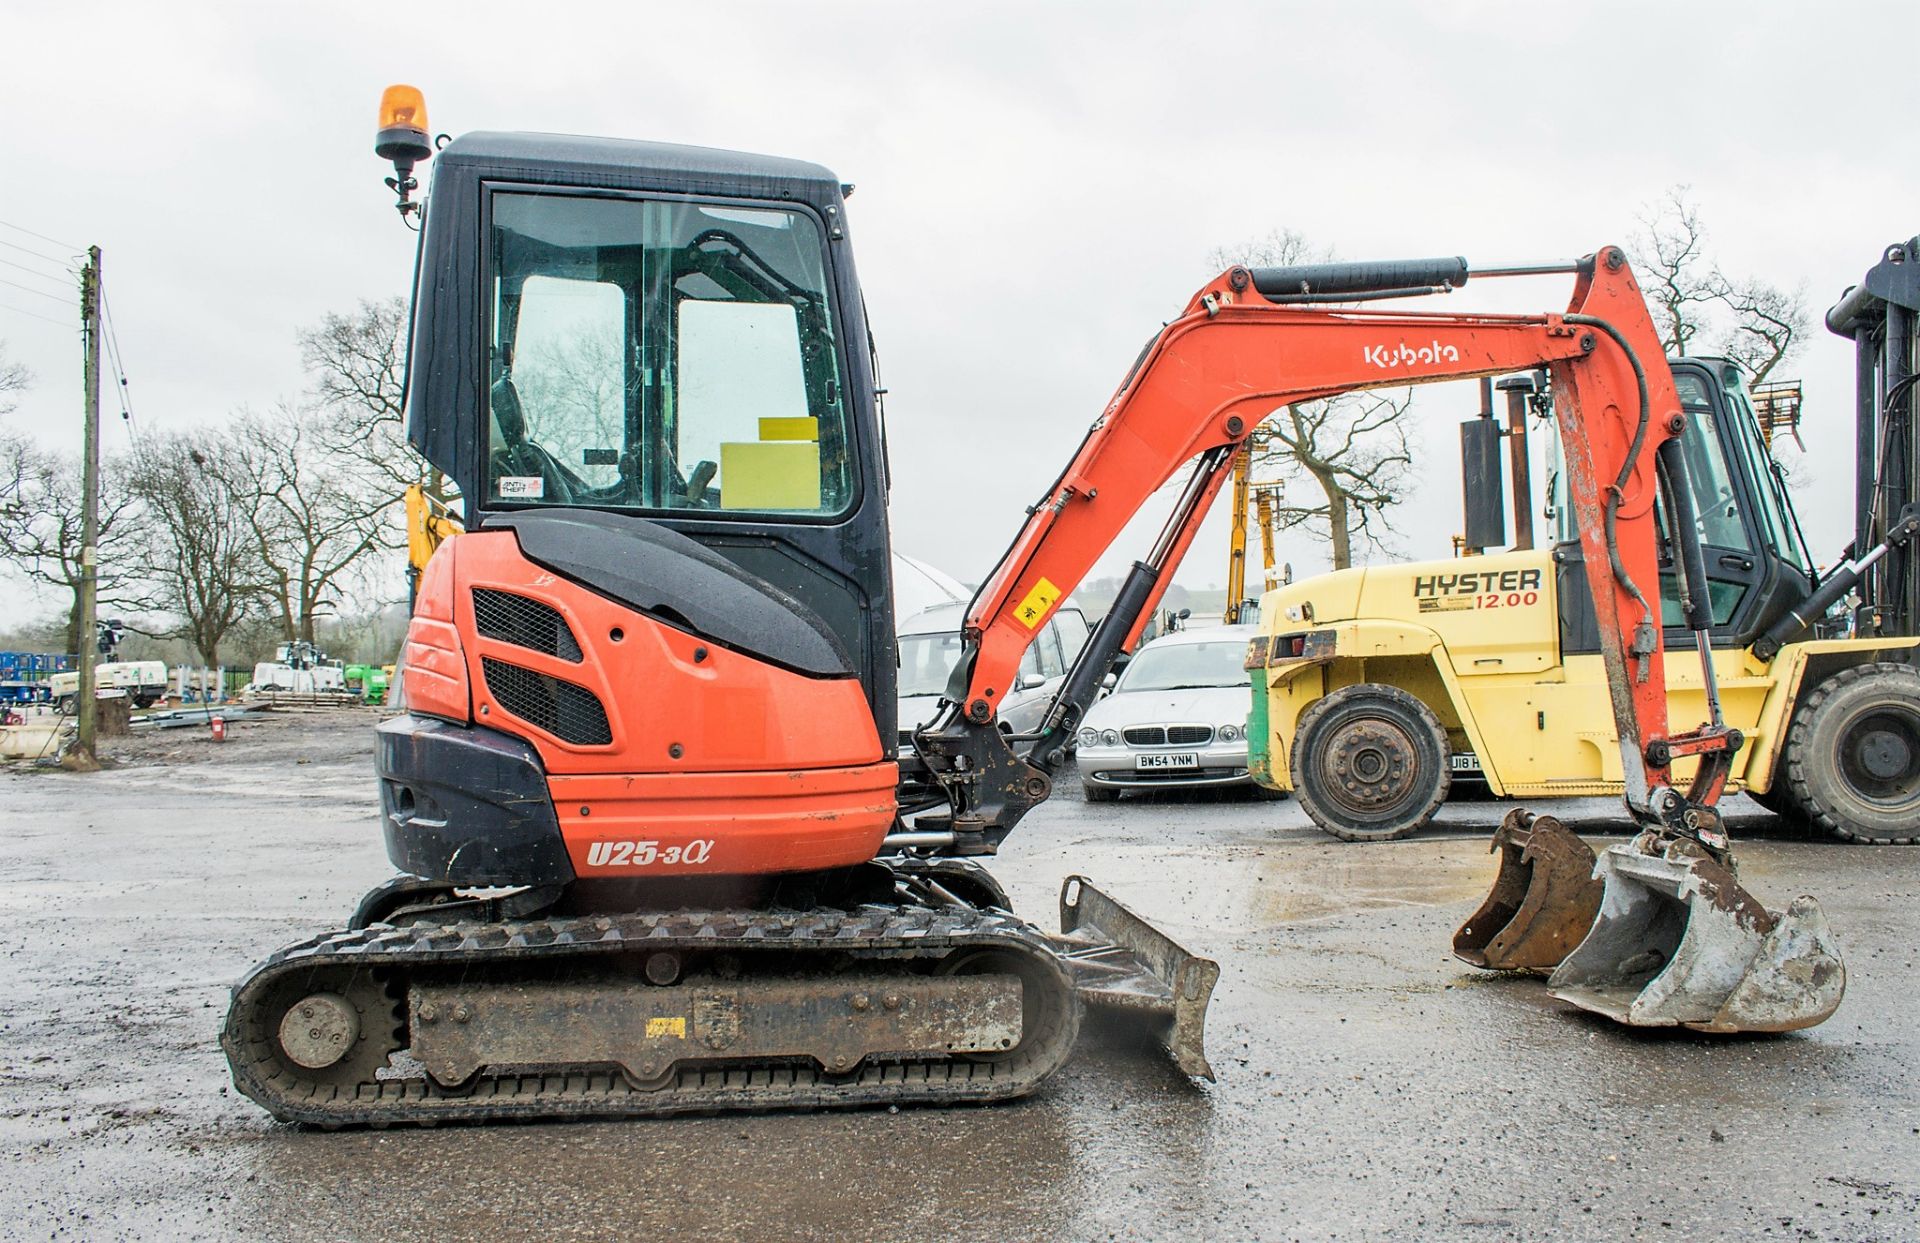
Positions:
(568, 712)
(523, 622)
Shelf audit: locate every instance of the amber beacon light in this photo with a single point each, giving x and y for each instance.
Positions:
(402, 138)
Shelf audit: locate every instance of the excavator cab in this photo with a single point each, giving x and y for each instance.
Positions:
(666, 336)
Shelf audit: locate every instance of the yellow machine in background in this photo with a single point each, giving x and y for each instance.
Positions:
(429, 524)
(1373, 687)
(1265, 498)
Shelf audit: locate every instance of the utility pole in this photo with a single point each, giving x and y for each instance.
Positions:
(83, 755)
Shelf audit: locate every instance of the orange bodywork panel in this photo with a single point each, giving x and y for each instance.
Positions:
(711, 761)
(725, 823)
(433, 665)
(675, 702)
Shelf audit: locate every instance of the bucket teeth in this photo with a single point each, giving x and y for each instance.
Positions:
(1543, 900)
(1679, 942)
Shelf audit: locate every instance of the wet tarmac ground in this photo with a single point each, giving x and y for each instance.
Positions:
(1370, 1086)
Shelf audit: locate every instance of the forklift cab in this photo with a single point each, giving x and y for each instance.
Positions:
(1757, 564)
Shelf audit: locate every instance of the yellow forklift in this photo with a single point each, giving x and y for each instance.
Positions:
(1387, 683)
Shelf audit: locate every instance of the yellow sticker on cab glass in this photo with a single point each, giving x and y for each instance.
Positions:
(1034, 608)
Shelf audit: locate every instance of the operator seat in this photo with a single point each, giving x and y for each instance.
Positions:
(516, 455)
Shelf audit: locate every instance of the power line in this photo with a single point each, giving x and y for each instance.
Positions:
(45, 276)
(30, 289)
(28, 250)
(43, 237)
(119, 371)
(30, 315)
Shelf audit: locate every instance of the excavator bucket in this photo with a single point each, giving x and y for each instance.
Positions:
(1122, 963)
(1543, 901)
(1678, 941)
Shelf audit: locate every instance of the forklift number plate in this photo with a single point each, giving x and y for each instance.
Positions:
(1466, 762)
(1188, 760)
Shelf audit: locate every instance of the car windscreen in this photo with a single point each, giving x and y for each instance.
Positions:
(926, 662)
(1181, 666)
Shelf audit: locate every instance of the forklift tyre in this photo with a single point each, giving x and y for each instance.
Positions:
(1371, 763)
(1778, 800)
(67, 704)
(1853, 754)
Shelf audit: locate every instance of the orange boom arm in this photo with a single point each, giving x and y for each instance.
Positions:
(1251, 342)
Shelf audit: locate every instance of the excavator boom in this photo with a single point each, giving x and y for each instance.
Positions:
(1674, 939)
(1253, 341)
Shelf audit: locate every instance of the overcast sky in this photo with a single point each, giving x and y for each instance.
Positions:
(1038, 186)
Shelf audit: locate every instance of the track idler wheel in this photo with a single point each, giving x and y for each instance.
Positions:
(1543, 902)
(320, 1032)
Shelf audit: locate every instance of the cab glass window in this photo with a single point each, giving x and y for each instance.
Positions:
(1716, 500)
(663, 356)
(1051, 663)
(1773, 503)
(927, 661)
(1186, 666)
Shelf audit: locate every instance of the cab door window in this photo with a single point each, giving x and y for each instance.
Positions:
(1720, 522)
(655, 355)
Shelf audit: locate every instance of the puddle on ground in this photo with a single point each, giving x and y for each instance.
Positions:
(1290, 889)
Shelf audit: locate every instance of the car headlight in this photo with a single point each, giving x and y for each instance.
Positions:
(1228, 733)
(1089, 737)
(1110, 737)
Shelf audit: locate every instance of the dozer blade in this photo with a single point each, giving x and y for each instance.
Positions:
(1543, 901)
(1678, 941)
(1121, 962)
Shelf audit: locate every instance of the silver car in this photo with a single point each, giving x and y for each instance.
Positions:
(930, 647)
(1176, 719)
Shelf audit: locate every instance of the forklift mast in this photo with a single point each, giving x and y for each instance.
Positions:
(1881, 315)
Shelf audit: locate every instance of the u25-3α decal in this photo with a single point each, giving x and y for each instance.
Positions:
(648, 854)
(1476, 589)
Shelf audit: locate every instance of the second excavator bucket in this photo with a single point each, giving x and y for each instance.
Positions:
(1121, 962)
(1679, 942)
(1543, 901)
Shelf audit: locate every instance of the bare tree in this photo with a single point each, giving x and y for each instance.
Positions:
(204, 559)
(1354, 446)
(311, 516)
(1672, 258)
(14, 378)
(40, 528)
(575, 387)
(1769, 324)
(358, 366)
(1697, 304)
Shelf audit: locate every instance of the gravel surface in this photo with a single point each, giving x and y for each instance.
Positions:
(1371, 1087)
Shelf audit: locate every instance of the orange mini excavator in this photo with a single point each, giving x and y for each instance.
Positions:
(659, 849)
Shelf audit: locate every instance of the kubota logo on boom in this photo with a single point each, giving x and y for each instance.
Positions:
(1387, 357)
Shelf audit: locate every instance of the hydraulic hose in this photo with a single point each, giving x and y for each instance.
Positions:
(1617, 491)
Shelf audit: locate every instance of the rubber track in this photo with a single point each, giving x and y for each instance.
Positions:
(871, 933)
